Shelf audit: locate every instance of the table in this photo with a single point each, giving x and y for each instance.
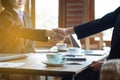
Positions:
(33, 66)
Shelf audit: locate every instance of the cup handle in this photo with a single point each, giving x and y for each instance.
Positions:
(63, 60)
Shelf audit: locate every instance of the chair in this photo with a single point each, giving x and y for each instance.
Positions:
(88, 46)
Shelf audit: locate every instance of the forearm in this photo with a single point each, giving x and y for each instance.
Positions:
(70, 30)
(34, 34)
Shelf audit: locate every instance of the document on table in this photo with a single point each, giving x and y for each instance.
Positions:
(10, 64)
(12, 57)
(95, 52)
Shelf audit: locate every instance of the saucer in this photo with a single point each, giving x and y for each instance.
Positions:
(52, 64)
(63, 50)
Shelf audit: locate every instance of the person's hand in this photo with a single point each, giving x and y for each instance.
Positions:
(54, 36)
(64, 31)
(96, 65)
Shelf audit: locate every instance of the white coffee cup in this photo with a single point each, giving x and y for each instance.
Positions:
(54, 58)
(74, 50)
(61, 46)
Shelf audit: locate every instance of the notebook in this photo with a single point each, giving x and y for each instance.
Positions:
(46, 50)
(8, 57)
(95, 52)
(74, 59)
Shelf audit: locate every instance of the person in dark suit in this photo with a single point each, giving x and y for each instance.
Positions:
(17, 33)
(106, 22)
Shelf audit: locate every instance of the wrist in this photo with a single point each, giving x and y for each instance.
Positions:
(69, 30)
(47, 33)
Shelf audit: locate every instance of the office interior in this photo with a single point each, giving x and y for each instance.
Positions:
(71, 13)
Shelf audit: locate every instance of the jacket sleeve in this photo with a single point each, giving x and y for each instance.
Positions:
(11, 29)
(33, 34)
(98, 25)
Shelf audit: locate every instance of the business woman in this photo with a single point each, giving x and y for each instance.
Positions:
(17, 33)
(106, 22)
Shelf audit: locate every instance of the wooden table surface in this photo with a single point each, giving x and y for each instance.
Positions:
(33, 65)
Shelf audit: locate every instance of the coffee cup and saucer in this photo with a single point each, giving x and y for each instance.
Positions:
(75, 51)
(62, 47)
(54, 59)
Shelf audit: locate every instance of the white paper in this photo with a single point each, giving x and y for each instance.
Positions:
(10, 64)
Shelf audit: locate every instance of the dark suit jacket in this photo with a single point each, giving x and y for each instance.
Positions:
(16, 38)
(108, 21)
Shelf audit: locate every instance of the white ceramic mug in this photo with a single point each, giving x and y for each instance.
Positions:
(54, 58)
(61, 46)
(74, 50)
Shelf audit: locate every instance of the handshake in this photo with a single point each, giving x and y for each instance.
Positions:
(59, 34)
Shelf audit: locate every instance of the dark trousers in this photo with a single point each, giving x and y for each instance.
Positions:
(87, 74)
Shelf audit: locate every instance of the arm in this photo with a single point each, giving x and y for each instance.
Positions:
(96, 65)
(92, 27)
(97, 25)
(10, 28)
(40, 35)
(33, 34)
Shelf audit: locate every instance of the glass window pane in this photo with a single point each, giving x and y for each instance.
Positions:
(46, 14)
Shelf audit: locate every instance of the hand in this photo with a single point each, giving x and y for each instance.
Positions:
(61, 31)
(64, 31)
(96, 65)
(54, 36)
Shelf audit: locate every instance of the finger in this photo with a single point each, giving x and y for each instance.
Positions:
(59, 36)
(61, 31)
(56, 38)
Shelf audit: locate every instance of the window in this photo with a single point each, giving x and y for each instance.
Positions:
(103, 7)
(47, 14)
